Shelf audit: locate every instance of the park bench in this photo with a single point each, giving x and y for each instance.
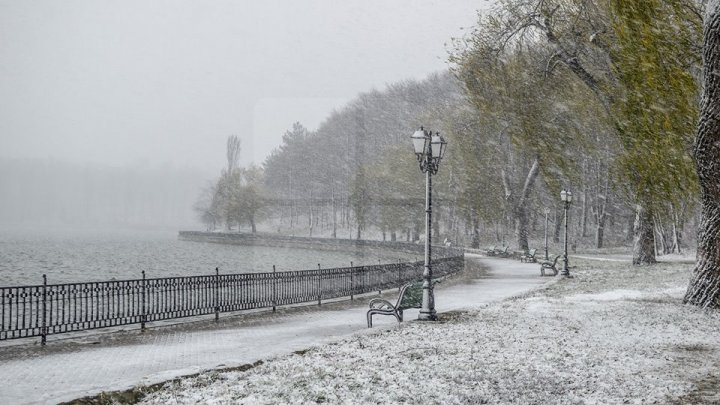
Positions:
(490, 251)
(410, 297)
(499, 252)
(529, 257)
(503, 252)
(549, 265)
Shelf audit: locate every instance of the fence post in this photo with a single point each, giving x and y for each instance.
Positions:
(274, 290)
(363, 275)
(319, 286)
(143, 292)
(352, 281)
(43, 331)
(217, 294)
(383, 276)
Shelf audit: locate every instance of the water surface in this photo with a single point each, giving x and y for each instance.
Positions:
(99, 255)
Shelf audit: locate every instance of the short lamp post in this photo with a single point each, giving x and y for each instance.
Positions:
(547, 212)
(429, 150)
(566, 197)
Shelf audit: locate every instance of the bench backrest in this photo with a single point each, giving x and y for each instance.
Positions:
(410, 296)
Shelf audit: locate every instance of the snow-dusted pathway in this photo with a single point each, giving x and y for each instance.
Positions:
(71, 368)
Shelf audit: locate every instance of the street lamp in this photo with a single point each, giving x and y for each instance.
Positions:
(566, 197)
(429, 150)
(547, 212)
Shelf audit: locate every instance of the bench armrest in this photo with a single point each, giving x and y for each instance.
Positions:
(379, 303)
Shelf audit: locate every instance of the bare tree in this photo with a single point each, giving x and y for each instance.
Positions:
(233, 153)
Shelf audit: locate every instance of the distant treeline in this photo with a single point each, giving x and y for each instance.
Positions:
(594, 97)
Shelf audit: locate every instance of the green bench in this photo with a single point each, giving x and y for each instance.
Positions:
(410, 297)
(549, 265)
(529, 257)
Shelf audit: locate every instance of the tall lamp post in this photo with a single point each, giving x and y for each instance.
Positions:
(429, 150)
(566, 197)
(547, 212)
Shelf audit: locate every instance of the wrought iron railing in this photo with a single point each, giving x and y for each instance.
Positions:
(47, 309)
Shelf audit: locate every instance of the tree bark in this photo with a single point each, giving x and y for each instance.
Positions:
(676, 233)
(475, 242)
(600, 233)
(704, 288)
(644, 237)
(519, 204)
(602, 201)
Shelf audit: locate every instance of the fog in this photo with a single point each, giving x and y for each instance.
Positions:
(95, 93)
(50, 194)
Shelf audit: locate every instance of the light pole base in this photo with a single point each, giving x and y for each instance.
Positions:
(427, 316)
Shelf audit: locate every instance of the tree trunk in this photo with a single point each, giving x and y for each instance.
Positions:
(334, 213)
(602, 201)
(416, 232)
(599, 233)
(704, 288)
(644, 237)
(521, 229)
(584, 213)
(519, 204)
(475, 242)
(676, 233)
(252, 224)
(661, 245)
(558, 226)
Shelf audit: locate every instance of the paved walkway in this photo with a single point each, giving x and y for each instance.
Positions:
(69, 368)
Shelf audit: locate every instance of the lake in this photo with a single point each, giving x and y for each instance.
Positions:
(100, 255)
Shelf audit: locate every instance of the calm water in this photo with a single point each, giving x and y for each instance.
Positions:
(71, 256)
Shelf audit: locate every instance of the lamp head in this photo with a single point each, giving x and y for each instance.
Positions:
(421, 142)
(438, 147)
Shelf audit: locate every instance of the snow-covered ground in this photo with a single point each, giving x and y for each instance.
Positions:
(611, 334)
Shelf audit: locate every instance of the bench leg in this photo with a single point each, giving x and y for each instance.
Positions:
(400, 315)
(369, 319)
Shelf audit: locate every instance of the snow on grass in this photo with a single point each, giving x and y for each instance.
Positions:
(609, 335)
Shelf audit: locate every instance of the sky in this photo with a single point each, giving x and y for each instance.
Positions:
(164, 83)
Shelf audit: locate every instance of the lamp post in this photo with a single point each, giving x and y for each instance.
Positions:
(547, 212)
(429, 150)
(566, 197)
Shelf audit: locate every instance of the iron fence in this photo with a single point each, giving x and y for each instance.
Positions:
(47, 309)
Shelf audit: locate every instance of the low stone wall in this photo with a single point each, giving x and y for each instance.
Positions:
(275, 240)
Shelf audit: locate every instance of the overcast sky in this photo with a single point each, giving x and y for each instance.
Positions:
(165, 82)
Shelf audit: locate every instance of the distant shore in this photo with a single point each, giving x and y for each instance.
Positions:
(277, 240)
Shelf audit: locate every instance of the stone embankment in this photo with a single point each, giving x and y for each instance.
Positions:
(277, 240)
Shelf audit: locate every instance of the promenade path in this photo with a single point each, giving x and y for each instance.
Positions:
(73, 367)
